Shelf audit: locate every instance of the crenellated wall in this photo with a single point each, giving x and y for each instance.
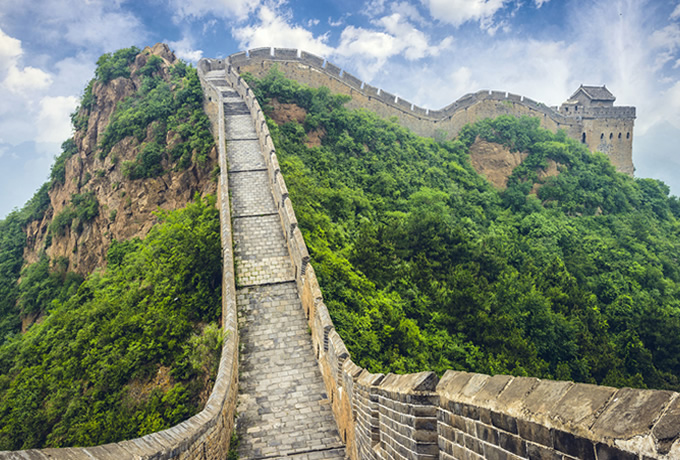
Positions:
(462, 415)
(315, 72)
(413, 416)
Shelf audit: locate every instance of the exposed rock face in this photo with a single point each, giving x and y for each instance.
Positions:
(496, 162)
(283, 113)
(125, 206)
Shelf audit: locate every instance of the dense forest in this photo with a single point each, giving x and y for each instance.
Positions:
(425, 266)
(132, 348)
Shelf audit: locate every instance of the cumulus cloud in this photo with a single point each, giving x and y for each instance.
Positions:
(273, 29)
(14, 78)
(458, 12)
(10, 50)
(391, 36)
(98, 24)
(194, 9)
(184, 49)
(26, 79)
(54, 121)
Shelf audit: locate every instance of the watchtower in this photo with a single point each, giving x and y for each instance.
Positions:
(604, 128)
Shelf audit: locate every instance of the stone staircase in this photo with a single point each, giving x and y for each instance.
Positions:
(283, 409)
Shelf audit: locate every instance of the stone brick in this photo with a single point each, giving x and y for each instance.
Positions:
(487, 433)
(512, 443)
(580, 404)
(534, 432)
(573, 445)
(630, 413)
(536, 452)
(606, 452)
(504, 422)
(667, 429)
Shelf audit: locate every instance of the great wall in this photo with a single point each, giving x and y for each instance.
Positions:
(332, 408)
(589, 118)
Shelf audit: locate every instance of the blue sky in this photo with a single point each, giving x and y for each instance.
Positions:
(429, 52)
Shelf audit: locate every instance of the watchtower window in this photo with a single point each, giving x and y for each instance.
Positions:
(619, 135)
(627, 135)
(583, 138)
(611, 136)
(601, 136)
(576, 108)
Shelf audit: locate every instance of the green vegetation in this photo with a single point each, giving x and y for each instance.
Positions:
(83, 208)
(41, 285)
(58, 170)
(123, 354)
(12, 244)
(115, 65)
(162, 113)
(424, 266)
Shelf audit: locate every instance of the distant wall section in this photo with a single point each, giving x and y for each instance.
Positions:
(316, 72)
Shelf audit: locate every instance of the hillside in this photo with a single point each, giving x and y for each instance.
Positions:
(565, 270)
(110, 277)
(141, 143)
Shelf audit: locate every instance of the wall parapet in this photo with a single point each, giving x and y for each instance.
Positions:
(208, 433)
(449, 120)
(462, 415)
(282, 55)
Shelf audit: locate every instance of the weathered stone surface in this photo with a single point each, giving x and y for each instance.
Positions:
(667, 429)
(488, 395)
(631, 413)
(578, 409)
(544, 396)
(283, 406)
(511, 400)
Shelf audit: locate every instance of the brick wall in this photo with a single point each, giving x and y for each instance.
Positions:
(464, 415)
(315, 72)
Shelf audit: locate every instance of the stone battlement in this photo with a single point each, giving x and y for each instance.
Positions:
(413, 416)
(586, 126)
(463, 415)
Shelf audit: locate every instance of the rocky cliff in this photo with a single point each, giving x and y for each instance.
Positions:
(125, 206)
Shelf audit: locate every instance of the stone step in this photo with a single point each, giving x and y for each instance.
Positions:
(283, 408)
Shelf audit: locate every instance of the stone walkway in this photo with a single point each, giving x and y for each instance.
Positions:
(283, 409)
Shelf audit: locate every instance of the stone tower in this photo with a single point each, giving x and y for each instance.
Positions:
(604, 128)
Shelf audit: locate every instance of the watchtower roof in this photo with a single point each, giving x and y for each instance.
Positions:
(595, 93)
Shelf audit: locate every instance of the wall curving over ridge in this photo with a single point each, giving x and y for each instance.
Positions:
(597, 127)
(413, 416)
(462, 415)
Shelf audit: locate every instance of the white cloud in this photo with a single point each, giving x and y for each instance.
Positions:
(408, 11)
(273, 29)
(540, 3)
(676, 12)
(392, 36)
(26, 80)
(457, 12)
(19, 80)
(337, 23)
(54, 123)
(463, 82)
(10, 50)
(184, 49)
(95, 24)
(195, 9)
